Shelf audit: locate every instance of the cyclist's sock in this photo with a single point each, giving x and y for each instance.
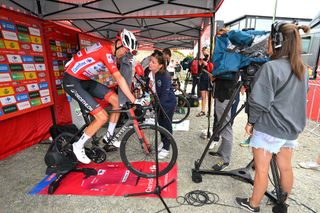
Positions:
(80, 143)
(111, 128)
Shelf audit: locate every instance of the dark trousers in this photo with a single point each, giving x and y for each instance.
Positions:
(167, 124)
(195, 83)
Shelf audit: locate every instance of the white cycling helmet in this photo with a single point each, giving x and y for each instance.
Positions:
(129, 41)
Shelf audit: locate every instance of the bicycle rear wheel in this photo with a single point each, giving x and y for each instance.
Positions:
(136, 158)
(182, 110)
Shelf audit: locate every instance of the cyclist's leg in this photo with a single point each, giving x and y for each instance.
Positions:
(77, 89)
(166, 122)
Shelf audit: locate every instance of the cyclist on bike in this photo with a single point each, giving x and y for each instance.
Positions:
(79, 84)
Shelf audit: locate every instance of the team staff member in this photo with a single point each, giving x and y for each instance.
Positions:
(78, 83)
(277, 110)
(163, 86)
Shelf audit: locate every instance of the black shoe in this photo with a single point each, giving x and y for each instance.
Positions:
(220, 166)
(244, 203)
(215, 154)
(110, 148)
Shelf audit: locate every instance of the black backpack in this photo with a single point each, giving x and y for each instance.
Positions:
(56, 130)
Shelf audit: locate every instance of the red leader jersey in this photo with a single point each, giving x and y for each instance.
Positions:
(92, 62)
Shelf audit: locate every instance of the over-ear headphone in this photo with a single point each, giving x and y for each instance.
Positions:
(276, 35)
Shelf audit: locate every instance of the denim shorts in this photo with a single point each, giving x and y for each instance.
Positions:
(269, 143)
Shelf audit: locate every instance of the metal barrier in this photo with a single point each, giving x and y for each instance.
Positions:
(313, 108)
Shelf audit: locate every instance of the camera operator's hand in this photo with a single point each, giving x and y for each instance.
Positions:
(142, 102)
(249, 129)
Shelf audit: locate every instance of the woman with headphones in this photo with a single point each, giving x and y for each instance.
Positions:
(277, 110)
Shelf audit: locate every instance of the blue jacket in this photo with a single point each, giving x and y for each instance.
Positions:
(165, 91)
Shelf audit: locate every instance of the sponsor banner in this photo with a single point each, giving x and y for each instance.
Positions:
(9, 35)
(35, 102)
(8, 100)
(55, 62)
(41, 74)
(1, 45)
(14, 59)
(17, 76)
(4, 91)
(58, 49)
(11, 45)
(5, 77)
(34, 95)
(55, 68)
(34, 31)
(35, 39)
(60, 55)
(38, 58)
(40, 67)
(32, 87)
(27, 58)
(52, 48)
(24, 105)
(58, 43)
(30, 75)
(58, 81)
(22, 97)
(16, 67)
(20, 88)
(36, 48)
(29, 67)
(8, 26)
(56, 74)
(43, 85)
(61, 68)
(23, 37)
(26, 46)
(22, 29)
(46, 99)
(4, 68)
(60, 91)
(52, 42)
(9, 109)
(59, 86)
(44, 92)
(60, 62)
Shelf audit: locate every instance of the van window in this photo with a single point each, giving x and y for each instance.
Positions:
(305, 44)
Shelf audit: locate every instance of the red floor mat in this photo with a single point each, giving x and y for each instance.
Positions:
(113, 179)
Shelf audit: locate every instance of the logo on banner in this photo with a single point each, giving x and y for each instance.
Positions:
(14, 58)
(9, 35)
(2, 58)
(8, 26)
(58, 81)
(59, 54)
(29, 67)
(30, 75)
(26, 46)
(9, 109)
(16, 76)
(5, 77)
(4, 68)
(58, 43)
(34, 31)
(26, 58)
(36, 39)
(55, 62)
(1, 44)
(22, 29)
(44, 92)
(36, 48)
(39, 59)
(41, 74)
(77, 66)
(22, 97)
(24, 105)
(109, 58)
(40, 67)
(7, 100)
(35, 102)
(11, 45)
(55, 68)
(45, 99)
(16, 67)
(43, 85)
(32, 87)
(20, 89)
(4, 91)
(23, 37)
(79, 53)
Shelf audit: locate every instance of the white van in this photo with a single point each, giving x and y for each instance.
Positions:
(311, 48)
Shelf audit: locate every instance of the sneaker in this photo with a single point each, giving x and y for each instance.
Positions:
(245, 143)
(215, 154)
(163, 154)
(220, 166)
(310, 165)
(80, 154)
(111, 140)
(212, 145)
(160, 145)
(244, 203)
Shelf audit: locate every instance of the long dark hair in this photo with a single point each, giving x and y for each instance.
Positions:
(159, 56)
(291, 47)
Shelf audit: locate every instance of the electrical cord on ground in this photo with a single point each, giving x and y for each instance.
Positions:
(198, 198)
(298, 203)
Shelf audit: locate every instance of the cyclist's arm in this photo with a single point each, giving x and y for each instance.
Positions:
(123, 86)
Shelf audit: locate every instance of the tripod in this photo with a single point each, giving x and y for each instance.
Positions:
(158, 189)
(242, 173)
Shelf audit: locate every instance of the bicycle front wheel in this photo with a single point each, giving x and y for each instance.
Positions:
(140, 157)
(182, 110)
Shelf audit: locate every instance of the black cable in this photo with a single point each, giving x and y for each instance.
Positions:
(198, 198)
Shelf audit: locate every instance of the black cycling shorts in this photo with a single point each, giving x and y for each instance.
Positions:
(85, 92)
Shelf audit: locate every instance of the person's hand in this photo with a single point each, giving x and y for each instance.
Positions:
(142, 102)
(249, 129)
(243, 90)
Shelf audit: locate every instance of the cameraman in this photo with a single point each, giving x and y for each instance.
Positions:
(277, 110)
